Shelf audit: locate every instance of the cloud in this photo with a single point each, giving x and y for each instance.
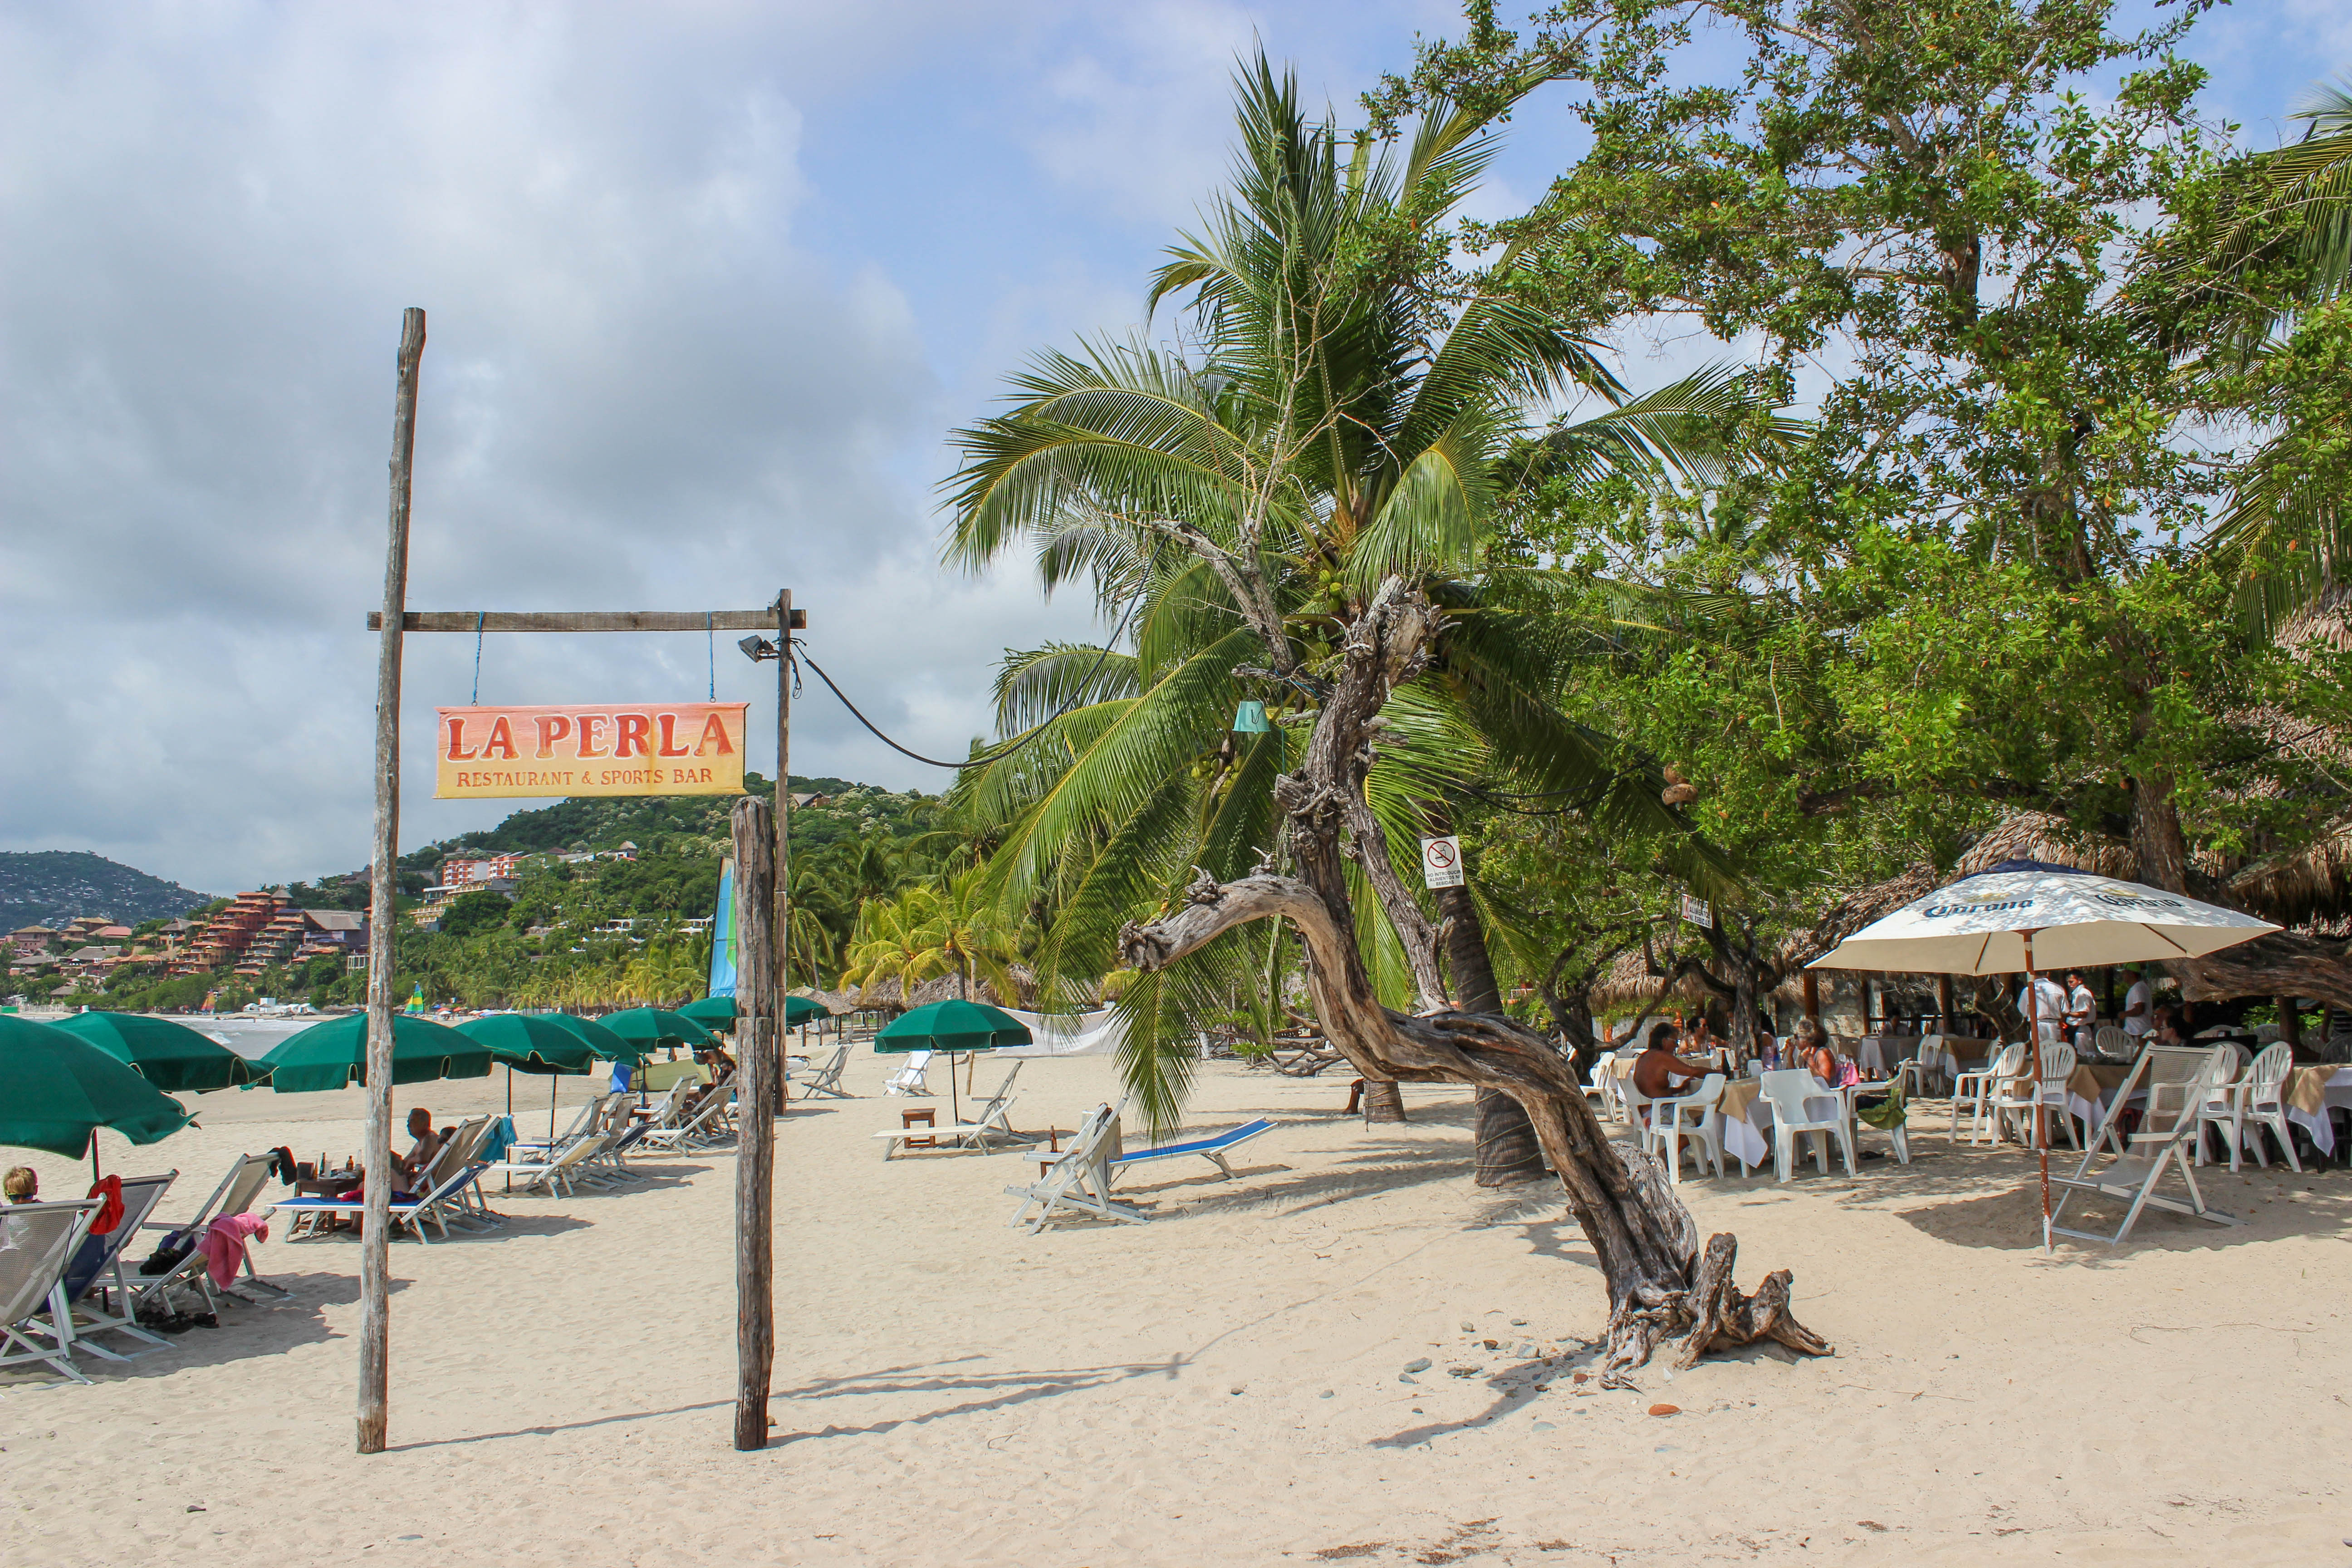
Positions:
(641, 390)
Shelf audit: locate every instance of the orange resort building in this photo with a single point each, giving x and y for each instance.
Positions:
(256, 929)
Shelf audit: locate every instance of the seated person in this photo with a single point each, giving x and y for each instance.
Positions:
(1658, 1071)
(23, 1185)
(1815, 1056)
(407, 1168)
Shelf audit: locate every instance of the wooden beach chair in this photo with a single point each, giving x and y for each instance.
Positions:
(1212, 1148)
(1078, 1184)
(42, 1240)
(908, 1078)
(2173, 1080)
(824, 1079)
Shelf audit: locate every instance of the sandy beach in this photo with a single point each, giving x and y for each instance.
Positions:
(1222, 1385)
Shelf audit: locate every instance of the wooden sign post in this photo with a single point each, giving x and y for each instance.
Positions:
(764, 917)
(383, 874)
(757, 1028)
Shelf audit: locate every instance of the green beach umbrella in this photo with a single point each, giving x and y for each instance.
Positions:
(955, 1027)
(334, 1053)
(550, 1043)
(719, 1012)
(170, 1056)
(653, 1027)
(58, 1089)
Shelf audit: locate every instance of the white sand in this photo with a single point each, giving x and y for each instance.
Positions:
(950, 1390)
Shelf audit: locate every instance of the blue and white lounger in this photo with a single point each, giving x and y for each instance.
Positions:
(1210, 1149)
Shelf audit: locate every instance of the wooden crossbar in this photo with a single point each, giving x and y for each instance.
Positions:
(588, 620)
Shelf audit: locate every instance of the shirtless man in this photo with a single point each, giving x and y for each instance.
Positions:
(1656, 1069)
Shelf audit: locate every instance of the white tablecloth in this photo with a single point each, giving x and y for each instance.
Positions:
(1747, 1130)
(2320, 1125)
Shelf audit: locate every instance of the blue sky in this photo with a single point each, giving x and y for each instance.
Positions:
(709, 283)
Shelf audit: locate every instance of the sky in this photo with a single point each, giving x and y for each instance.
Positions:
(708, 287)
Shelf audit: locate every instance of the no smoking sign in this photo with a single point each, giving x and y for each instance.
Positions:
(1440, 862)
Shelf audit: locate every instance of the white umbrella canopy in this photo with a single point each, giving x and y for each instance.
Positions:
(2026, 914)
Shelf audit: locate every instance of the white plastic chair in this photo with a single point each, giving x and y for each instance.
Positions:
(2015, 1098)
(1801, 1107)
(2113, 1044)
(1973, 1091)
(2256, 1098)
(1691, 1116)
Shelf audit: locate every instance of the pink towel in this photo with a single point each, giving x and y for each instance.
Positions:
(225, 1241)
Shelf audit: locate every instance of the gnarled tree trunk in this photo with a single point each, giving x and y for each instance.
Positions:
(1507, 1151)
(1660, 1286)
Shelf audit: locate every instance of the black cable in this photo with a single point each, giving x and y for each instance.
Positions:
(1035, 731)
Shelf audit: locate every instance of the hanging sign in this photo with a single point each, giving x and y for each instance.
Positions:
(1440, 862)
(1698, 911)
(628, 748)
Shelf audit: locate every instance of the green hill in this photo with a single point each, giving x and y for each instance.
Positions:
(50, 887)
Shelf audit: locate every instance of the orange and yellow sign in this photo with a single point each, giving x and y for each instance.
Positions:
(628, 748)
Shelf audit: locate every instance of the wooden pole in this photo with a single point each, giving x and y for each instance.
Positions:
(755, 1319)
(783, 824)
(375, 1345)
(2041, 1127)
(1812, 996)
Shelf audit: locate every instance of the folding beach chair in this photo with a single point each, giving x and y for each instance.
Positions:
(1079, 1183)
(239, 1192)
(557, 1175)
(42, 1239)
(1212, 1148)
(824, 1079)
(908, 1078)
(435, 1205)
(707, 1126)
(2174, 1081)
(83, 1293)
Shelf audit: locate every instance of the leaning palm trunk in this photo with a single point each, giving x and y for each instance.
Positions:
(1660, 1286)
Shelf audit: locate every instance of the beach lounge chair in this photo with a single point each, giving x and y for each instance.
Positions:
(99, 1259)
(2174, 1081)
(435, 1205)
(908, 1078)
(1079, 1183)
(823, 1079)
(1801, 1108)
(708, 1126)
(239, 1192)
(42, 1241)
(994, 1122)
(1212, 1148)
(557, 1174)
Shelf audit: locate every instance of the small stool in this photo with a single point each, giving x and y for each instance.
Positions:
(918, 1119)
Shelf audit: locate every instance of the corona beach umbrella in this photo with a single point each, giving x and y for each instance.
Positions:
(57, 1090)
(334, 1053)
(952, 1026)
(2028, 915)
(173, 1056)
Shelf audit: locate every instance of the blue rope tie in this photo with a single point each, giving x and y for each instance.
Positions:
(479, 616)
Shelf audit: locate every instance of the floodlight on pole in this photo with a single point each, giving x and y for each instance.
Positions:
(757, 648)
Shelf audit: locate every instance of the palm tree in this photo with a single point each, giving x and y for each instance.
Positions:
(2233, 299)
(1297, 501)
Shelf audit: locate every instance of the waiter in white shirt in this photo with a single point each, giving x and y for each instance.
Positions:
(2140, 1007)
(2054, 1006)
(2082, 1011)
